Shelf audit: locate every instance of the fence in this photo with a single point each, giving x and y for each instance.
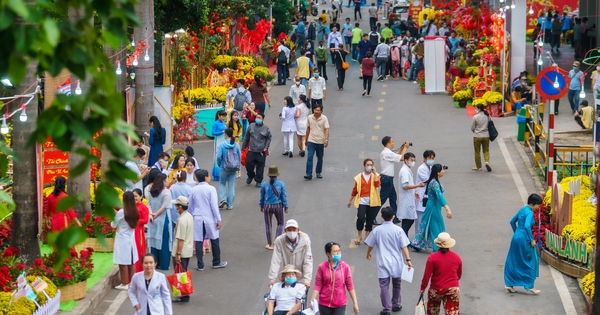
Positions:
(572, 160)
(535, 133)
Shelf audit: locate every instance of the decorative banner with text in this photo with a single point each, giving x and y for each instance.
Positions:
(55, 163)
(538, 7)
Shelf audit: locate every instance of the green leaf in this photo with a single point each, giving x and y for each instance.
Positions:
(19, 8)
(66, 202)
(52, 33)
(6, 19)
(17, 68)
(107, 195)
(3, 167)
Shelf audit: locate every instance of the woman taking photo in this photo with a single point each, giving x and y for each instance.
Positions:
(288, 125)
(177, 166)
(228, 176)
(522, 262)
(366, 199)
(140, 233)
(273, 201)
(190, 167)
(57, 221)
(368, 64)
(156, 139)
(149, 291)
(125, 253)
(481, 137)
(432, 223)
(301, 123)
(332, 280)
(160, 233)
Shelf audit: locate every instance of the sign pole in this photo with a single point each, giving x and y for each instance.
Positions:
(550, 174)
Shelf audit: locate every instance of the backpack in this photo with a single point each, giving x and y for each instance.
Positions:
(281, 58)
(374, 38)
(231, 160)
(239, 100)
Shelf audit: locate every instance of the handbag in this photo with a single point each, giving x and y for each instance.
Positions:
(244, 154)
(492, 130)
(420, 308)
(406, 65)
(181, 282)
(345, 65)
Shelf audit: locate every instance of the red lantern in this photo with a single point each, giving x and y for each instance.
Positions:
(188, 48)
(173, 39)
(218, 30)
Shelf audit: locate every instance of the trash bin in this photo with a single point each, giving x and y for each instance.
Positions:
(522, 122)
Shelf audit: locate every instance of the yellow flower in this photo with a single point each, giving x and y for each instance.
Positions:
(219, 93)
(50, 289)
(462, 95)
(182, 109)
(471, 71)
(588, 284)
(23, 306)
(479, 101)
(492, 97)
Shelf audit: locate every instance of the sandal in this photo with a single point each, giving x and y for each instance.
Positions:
(269, 247)
(357, 241)
(476, 169)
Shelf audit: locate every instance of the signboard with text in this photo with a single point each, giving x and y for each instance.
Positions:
(542, 6)
(54, 163)
(416, 6)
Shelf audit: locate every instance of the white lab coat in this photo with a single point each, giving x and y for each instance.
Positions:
(157, 297)
(423, 173)
(125, 252)
(406, 198)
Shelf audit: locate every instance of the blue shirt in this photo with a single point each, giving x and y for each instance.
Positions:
(454, 41)
(178, 189)
(268, 197)
(566, 23)
(575, 80)
(363, 47)
(218, 127)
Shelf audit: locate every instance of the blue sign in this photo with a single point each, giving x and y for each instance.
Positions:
(552, 84)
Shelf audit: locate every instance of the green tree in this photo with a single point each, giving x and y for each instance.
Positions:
(282, 13)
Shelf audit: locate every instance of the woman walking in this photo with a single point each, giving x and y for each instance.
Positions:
(156, 139)
(288, 125)
(228, 174)
(444, 269)
(149, 291)
(366, 199)
(395, 56)
(332, 280)
(340, 57)
(57, 221)
(481, 137)
(368, 64)
(432, 223)
(273, 201)
(404, 60)
(301, 123)
(217, 131)
(160, 233)
(522, 262)
(125, 253)
(260, 95)
(140, 233)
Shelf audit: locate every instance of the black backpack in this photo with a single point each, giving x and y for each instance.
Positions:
(282, 58)
(239, 100)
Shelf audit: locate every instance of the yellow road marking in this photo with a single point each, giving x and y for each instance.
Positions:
(380, 109)
(374, 138)
(383, 92)
(381, 100)
(384, 85)
(376, 127)
(378, 118)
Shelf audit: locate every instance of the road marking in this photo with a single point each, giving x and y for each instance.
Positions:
(384, 85)
(116, 304)
(559, 282)
(380, 109)
(376, 127)
(374, 138)
(381, 100)
(378, 118)
(383, 92)
(352, 245)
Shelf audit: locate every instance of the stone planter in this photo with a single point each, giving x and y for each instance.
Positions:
(75, 291)
(95, 244)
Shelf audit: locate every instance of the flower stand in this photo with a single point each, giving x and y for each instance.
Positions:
(422, 90)
(51, 306)
(470, 111)
(495, 110)
(71, 292)
(95, 244)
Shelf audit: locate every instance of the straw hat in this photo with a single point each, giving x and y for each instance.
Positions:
(444, 241)
(273, 171)
(288, 269)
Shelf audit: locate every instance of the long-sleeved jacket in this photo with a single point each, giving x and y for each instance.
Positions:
(268, 196)
(157, 297)
(300, 257)
(258, 136)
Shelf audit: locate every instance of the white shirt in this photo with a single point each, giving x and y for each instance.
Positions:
(406, 198)
(365, 200)
(286, 297)
(335, 38)
(317, 86)
(387, 158)
(432, 30)
(296, 91)
(389, 239)
(423, 173)
(130, 184)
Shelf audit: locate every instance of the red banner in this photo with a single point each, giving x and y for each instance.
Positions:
(55, 158)
(49, 144)
(50, 174)
(416, 6)
(542, 6)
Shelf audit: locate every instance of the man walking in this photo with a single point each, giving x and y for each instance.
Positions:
(317, 90)
(357, 9)
(357, 34)
(373, 16)
(364, 46)
(283, 56)
(304, 64)
(317, 139)
(204, 207)
(296, 90)
(407, 213)
(183, 242)
(321, 53)
(391, 242)
(387, 159)
(258, 138)
(292, 248)
(334, 41)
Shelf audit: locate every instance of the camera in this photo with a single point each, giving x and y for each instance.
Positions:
(410, 144)
(444, 167)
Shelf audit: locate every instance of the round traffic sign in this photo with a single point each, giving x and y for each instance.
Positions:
(552, 85)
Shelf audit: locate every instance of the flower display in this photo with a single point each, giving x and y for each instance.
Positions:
(219, 93)
(462, 95)
(472, 71)
(588, 284)
(198, 96)
(182, 110)
(542, 221)
(492, 97)
(22, 306)
(76, 268)
(262, 72)
(95, 224)
(479, 101)
(5, 233)
(421, 78)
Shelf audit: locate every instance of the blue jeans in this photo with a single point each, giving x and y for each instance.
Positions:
(281, 73)
(312, 147)
(304, 81)
(354, 51)
(573, 97)
(227, 177)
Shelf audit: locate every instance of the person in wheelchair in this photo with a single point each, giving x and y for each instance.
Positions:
(286, 296)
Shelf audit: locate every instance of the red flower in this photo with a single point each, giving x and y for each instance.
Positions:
(20, 266)
(191, 56)
(188, 48)
(172, 39)
(204, 29)
(195, 39)
(90, 250)
(68, 269)
(218, 30)
(212, 32)
(196, 46)
(88, 215)
(38, 262)
(4, 270)
(104, 230)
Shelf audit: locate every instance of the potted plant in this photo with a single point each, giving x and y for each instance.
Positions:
(461, 98)
(494, 101)
(421, 80)
(73, 276)
(94, 224)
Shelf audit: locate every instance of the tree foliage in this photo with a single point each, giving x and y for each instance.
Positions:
(282, 13)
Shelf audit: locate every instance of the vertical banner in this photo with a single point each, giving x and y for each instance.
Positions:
(542, 6)
(416, 6)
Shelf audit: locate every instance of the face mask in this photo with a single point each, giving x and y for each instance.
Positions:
(258, 121)
(598, 68)
(139, 162)
(411, 164)
(297, 82)
(430, 162)
(460, 38)
(336, 257)
(368, 168)
(524, 79)
(316, 75)
(290, 281)
(291, 235)
(575, 68)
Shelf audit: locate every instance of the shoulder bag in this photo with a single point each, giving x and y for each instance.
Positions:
(345, 65)
(492, 130)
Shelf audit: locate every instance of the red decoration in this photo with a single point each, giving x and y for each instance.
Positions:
(188, 48)
(191, 56)
(218, 30)
(172, 39)
(212, 32)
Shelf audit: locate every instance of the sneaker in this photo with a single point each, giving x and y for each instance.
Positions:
(309, 177)
(248, 181)
(221, 265)
(223, 204)
(257, 185)
(396, 308)
(122, 287)
(229, 208)
(319, 175)
(200, 269)
(414, 82)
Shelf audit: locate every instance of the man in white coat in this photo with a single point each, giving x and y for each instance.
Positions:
(407, 195)
(423, 174)
(204, 206)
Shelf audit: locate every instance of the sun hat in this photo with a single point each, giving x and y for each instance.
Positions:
(287, 269)
(273, 171)
(181, 200)
(291, 223)
(444, 241)
(576, 63)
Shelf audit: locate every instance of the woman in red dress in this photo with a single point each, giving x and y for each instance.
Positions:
(59, 220)
(140, 234)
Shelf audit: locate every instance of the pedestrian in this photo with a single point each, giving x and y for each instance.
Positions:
(347, 32)
(177, 166)
(481, 137)
(566, 25)
(331, 282)
(139, 144)
(286, 296)
(339, 60)
(367, 67)
(229, 161)
(296, 90)
(321, 30)
(301, 123)
(203, 205)
(300, 34)
(160, 232)
(374, 39)
(432, 223)
(304, 64)
(140, 233)
(423, 173)
(259, 94)
(444, 270)
(357, 9)
(404, 60)
(190, 168)
(125, 253)
(183, 242)
(180, 188)
(363, 47)
(283, 56)
(189, 154)
(317, 89)
(407, 195)
(250, 113)
(372, 16)
(273, 201)
(366, 199)
(321, 53)
(382, 52)
(57, 221)
(356, 36)
(576, 76)
(293, 247)
(522, 262)
(577, 38)
(395, 57)
(392, 252)
(156, 139)
(387, 160)
(317, 139)
(556, 31)
(162, 163)
(288, 125)
(333, 42)
(235, 125)
(217, 131)
(149, 292)
(257, 140)
(267, 49)
(534, 37)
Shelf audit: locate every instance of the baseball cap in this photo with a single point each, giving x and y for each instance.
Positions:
(181, 200)
(291, 223)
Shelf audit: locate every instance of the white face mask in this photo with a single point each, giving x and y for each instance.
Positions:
(291, 235)
(368, 169)
(411, 164)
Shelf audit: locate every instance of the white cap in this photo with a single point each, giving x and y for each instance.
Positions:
(291, 223)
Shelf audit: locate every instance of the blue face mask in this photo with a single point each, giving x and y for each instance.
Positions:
(575, 68)
(336, 257)
(316, 75)
(290, 281)
(258, 121)
(430, 162)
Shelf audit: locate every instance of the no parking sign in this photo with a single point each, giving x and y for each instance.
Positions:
(552, 85)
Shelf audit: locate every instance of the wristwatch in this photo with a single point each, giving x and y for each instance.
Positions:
(178, 254)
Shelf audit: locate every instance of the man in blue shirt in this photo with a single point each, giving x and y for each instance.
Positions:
(576, 76)
(566, 26)
(454, 41)
(363, 47)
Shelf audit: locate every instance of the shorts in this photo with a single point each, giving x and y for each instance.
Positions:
(348, 39)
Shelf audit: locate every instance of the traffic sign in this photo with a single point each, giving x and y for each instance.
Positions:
(546, 81)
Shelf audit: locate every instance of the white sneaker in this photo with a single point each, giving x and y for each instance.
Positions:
(122, 287)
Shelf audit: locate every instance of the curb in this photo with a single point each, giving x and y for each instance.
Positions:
(96, 294)
(538, 185)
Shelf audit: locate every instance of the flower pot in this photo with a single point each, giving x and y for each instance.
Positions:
(269, 83)
(495, 110)
(456, 103)
(470, 111)
(422, 90)
(461, 103)
(95, 244)
(71, 292)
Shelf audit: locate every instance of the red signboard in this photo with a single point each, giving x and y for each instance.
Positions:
(49, 144)
(50, 174)
(55, 158)
(416, 6)
(542, 6)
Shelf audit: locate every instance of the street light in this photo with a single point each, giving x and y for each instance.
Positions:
(135, 61)
(78, 90)
(6, 82)
(119, 71)
(146, 57)
(540, 61)
(530, 10)
(4, 128)
(23, 116)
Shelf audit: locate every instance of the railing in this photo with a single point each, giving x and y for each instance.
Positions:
(534, 133)
(572, 160)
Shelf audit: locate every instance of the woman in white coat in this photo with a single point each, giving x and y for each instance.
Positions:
(125, 253)
(301, 123)
(149, 290)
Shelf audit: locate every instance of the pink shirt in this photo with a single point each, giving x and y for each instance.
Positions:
(330, 284)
